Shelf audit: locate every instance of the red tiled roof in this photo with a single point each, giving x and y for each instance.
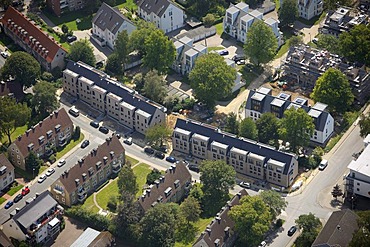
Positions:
(12, 15)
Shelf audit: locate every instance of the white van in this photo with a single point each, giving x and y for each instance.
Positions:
(74, 112)
(323, 165)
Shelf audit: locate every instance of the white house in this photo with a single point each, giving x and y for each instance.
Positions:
(163, 13)
(6, 172)
(108, 23)
(239, 81)
(308, 9)
(239, 18)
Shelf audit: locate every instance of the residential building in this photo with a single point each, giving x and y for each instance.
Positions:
(94, 238)
(239, 18)
(6, 172)
(338, 230)
(33, 40)
(220, 232)
(110, 97)
(170, 187)
(342, 20)
(308, 9)
(108, 23)
(54, 131)
(58, 7)
(239, 81)
(77, 182)
(247, 157)
(37, 222)
(11, 89)
(164, 14)
(358, 179)
(304, 65)
(262, 101)
(4, 240)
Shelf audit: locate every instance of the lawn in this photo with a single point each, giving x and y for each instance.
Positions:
(215, 48)
(219, 28)
(131, 160)
(72, 143)
(2, 200)
(141, 171)
(89, 205)
(70, 20)
(14, 189)
(42, 169)
(18, 131)
(127, 4)
(102, 198)
(63, 43)
(201, 224)
(277, 5)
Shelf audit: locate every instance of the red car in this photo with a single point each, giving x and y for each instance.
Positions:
(25, 191)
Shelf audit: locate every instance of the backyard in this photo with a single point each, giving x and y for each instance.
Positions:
(70, 19)
(201, 225)
(18, 131)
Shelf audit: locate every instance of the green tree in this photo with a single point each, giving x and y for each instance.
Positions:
(361, 236)
(6, 3)
(248, 129)
(157, 134)
(44, 100)
(121, 47)
(32, 163)
(138, 80)
(337, 192)
(13, 115)
(114, 65)
(333, 89)
(127, 181)
(217, 177)
(152, 176)
(288, 12)
(77, 133)
(154, 86)
(296, 127)
(197, 192)
(317, 154)
(254, 3)
(23, 67)
(190, 209)
(81, 50)
(261, 44)
(65, 29)
(138, 36)
(333, 4)
(311, 226)
(295, 41)
(252, 219)
(267, 126)
(160, 52)
(274, 201)
(211, 78)
(232, 123)
(364, 125)
(208, 20)
(328, 42)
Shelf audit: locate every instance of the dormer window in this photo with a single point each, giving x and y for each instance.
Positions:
(168, 191)
(105, 159)
(177, 183)
(111, 154)
(160, 199)
(84, 175)
(91, 171)
(41, 139)
(49, 133)
(98, 165)
(30, 147)
(57, 128)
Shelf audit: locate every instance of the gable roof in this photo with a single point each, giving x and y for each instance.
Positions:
(32, 135)
(5, 162)
(177, 172)
(222, 226)
(109, 18)
(157, 7)
(338, 230)
(12, 16)
(89, 163)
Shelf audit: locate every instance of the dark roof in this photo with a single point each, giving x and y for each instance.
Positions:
(47, 42)
(175, 172)
(338, 230)
(102, 80)
(68, 178)
(5, 162)
(11, 88)
(32, 135)
(154, 6)
(232, 141)
(222, 224)
(109, 18)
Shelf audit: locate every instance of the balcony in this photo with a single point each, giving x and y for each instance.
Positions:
(35, 227)
(81, 197)
(116, 167)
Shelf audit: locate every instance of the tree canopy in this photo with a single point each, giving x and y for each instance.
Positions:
(364, 125)
(155, 86)
(81, 50)
(274, 201)
(288, 12)
(33, 163)
(114, 65)
(337, 192)
(328, 42)
(248, 129)
(361, 236)
(157, 134)
(211, 78)
(138, 36)
(23, 67)
(232, 123)
(261, 43)
(267, 126)
(44, 100)
(333, 89)
(121, 46)
(311, 226)
(127, 181)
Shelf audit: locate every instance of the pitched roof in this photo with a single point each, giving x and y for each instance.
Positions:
(12, 15)
(338, 230)
(154, 6)
(5, 162)
(89, 163)
(32, 135)
(176, 173)
(8, 88)
(222, 226)
(109, 18)
(215, 134)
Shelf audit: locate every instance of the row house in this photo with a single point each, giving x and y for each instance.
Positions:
(261, 101)
(221, 232)
(342, 20)
(247, 157)
(239, 18)
(52, 132)
(58, 7)
(110, 97)
(172, 186)
(164, 14)
(76, 183)
(37, 222)
(6, 172)
(308, 9)
(108, 23)
(305, 65)
(33, 40)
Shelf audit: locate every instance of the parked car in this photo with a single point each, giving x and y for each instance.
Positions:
(50, 171)
(9, 204)
(71, 38)
(237, 58)
(171, 159)
(74, 112)
(240, 62)
(262, 244)
(149, 150)
(163, 149)
(18, 198)
(159, 155)
(25, 191)
(292, 230)
(245, 185)
(103, 129)
(223, 52)
(323, 165)
(193, 168)
(85, 143)
(128, 141)
(315, 40)
(4, 54)
(94, 124)
(61, 162)
(41, 178)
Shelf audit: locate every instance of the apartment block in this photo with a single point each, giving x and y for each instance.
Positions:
(54, 131)
(6, 172)
(79, 181)
(308, 9)
(247, 157)
(304, 65)
(262, 101)
(110, 97)
(58, 7)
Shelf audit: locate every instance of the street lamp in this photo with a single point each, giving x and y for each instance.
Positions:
(33, 172)
(310, 36)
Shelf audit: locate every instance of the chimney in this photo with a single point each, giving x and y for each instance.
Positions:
(208, 230)
(17, 210)
(28, 132)
(156, 183)
(148, 192)
(239, 195)
(142, 198)
(229, 205)
(218, 219)
(33, 129)
(170, 169)
(173, 168)
(19, 137)
(227, 231)
(37, 195)
(51, 115)
(40, 123)
(161, 179)
(56, 113)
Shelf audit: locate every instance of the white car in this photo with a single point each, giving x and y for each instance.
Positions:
(245, 185)
(50, 171)
(41, 178)
(61, 162)
(128, 141)
(4, 54)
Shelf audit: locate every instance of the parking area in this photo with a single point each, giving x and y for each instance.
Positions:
(73, 229)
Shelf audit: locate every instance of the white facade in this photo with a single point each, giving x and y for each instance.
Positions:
(308, 9)
(108, 38)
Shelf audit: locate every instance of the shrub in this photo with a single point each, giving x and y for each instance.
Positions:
(46, 76)
(152, 176)
(96, 221)
(52, 158)
(77, 133)
(112, 203)
(279, 223)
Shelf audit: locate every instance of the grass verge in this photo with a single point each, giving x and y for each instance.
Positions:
(333, 141)
(89, 205)
(72, 143)
(2, 200)
(14, 189)
(131, 160)
(219, 28)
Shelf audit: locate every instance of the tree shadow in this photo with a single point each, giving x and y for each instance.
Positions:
(335, 203)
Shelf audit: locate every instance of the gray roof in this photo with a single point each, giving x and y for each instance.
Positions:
(109, 18)
(86, 238)
(154, 6)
